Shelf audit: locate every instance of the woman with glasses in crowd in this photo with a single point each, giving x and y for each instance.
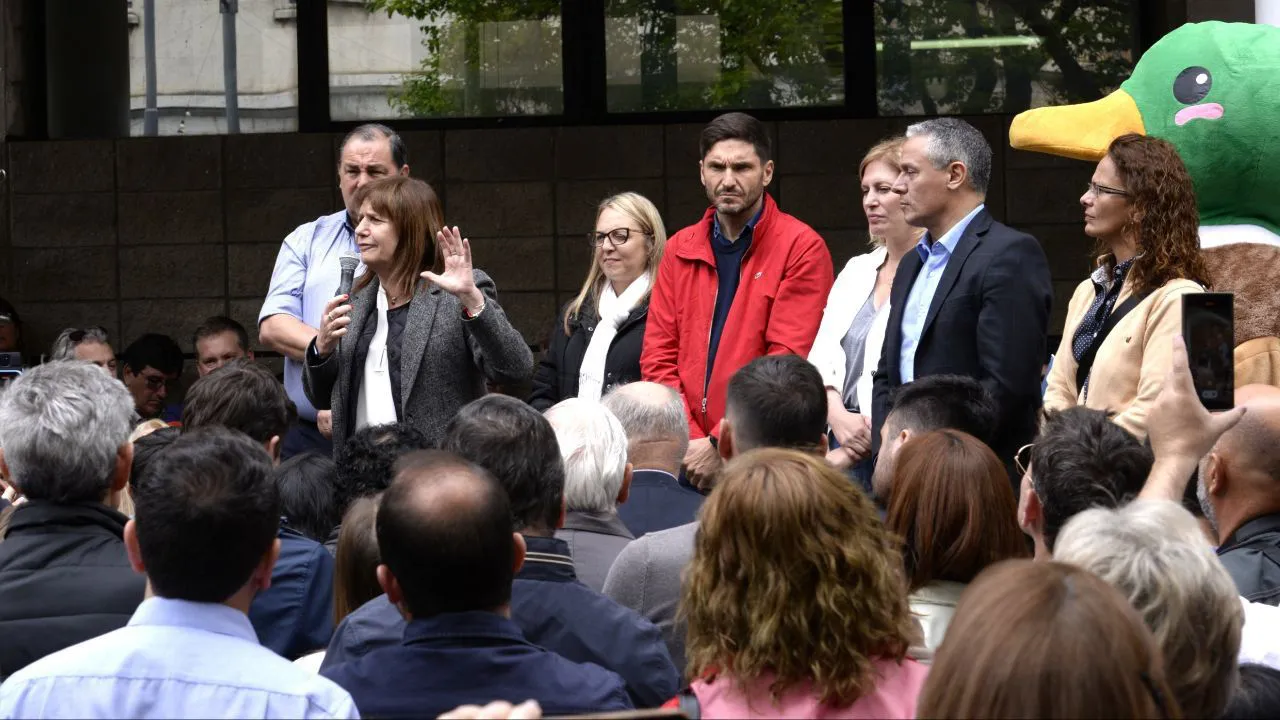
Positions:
(847, 348)
(87, 344)
(421, 331)
(1140, 206)
(597, 340)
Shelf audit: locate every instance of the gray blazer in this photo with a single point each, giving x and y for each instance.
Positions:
(445, 359)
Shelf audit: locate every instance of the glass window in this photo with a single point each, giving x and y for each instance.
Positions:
(190, 76)
(983, 56)
(444, 58)
(697, 54)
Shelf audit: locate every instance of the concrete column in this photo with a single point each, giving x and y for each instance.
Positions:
(87, 61)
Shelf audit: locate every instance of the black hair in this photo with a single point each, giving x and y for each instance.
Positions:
(944, 402)
(152, 350)
(777, 401)
(1083, 460)
(241, 395)
(517, 445)
(145, 450)
(217, 325)
(444, 531)
(736, 126)
(308, 497)
(1257, 695)
(207, 512)
(378, 131)
(366, 464)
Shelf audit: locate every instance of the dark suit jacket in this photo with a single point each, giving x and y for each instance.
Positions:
(657, 502)
(988, 319)
(445, 359)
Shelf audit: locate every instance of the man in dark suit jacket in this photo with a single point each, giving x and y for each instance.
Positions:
(974, 298)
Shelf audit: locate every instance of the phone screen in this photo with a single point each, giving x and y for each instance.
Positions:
(1208, 327)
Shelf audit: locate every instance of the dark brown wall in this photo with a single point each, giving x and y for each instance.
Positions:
(154, 234)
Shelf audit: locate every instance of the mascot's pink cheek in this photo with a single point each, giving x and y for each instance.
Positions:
(1208, 111)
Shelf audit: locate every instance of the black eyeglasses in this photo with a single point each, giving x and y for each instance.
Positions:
(617, 236)
(155, 382)
(1097, 190)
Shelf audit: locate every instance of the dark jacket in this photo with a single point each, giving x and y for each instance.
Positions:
(472, 658)
(1251, 556)
(555, 612)
(294, 616)
(557, 374)
(988, 320)
(64, 578)
(657, 501)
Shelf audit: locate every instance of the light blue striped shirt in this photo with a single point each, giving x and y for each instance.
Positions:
(175, 659)
(305, 279)
(934, 258)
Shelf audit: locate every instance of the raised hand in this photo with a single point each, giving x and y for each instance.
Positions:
(333, 325)
(457, 278)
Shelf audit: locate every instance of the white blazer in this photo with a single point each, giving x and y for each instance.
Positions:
(854, 283)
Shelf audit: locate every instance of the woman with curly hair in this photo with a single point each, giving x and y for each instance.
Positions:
(794, 598)
(1140, 206)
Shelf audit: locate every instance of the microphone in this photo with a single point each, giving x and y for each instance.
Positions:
(349, 264)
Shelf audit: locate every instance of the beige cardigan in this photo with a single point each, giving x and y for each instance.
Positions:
(1133, 361)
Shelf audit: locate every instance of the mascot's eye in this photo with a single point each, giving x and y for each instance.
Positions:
(1192, 85)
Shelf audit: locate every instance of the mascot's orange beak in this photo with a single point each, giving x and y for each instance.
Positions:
(1082, 132)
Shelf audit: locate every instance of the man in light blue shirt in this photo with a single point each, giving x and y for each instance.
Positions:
(205, 536)
(307, 274)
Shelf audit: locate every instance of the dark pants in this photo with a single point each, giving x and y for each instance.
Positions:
(304, 436)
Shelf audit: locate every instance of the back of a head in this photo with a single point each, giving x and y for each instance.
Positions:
(444, 531)
(62, 425)
(355, 567)
(366, 465)
(1083, 460)
(776, 401)
(788, 543)
(518, 447)
(652, 415)
(1045, 640)
(152, 350)
(145, 450)
(593, 446)
(944, 402)
(241, 395)
(207, 513)
(1257, 697)
(1155, 553)
(954, 140)
(953, 508)
(307, 498)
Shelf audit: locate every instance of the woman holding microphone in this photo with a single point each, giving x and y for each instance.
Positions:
(421, 330)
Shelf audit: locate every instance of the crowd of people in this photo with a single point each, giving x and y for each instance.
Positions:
(734, 484)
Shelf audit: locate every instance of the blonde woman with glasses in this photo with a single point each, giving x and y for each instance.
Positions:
(596, 343)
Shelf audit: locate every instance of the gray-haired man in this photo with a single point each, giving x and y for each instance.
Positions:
(64, 573)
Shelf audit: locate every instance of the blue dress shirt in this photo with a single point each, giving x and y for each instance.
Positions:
(175, 659)
(473, 658)
(933, 258)
(305, 279)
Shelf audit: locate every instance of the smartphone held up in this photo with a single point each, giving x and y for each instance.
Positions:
(1208, 328)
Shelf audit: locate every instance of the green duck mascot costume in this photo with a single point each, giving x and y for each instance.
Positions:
(1212, 90)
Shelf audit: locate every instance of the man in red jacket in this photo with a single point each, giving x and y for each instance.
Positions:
(747, 280)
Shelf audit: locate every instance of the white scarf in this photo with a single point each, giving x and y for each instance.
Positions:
(375, 404)
(614, 310)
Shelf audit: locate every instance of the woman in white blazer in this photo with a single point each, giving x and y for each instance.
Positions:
(847, 348)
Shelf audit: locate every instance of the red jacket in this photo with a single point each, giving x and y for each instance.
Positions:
(785, 278)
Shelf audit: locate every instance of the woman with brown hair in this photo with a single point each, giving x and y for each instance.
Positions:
(794, 598)
(1046, 640)
(847, 348)
(422, 330)
(1140, 206)
(953, 508)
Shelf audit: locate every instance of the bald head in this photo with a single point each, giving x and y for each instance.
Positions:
(1240, 478)
(654, 420)
(1251, 445)
(445, 535)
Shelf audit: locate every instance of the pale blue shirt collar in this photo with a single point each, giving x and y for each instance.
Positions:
(210, 617)
(951, 238)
